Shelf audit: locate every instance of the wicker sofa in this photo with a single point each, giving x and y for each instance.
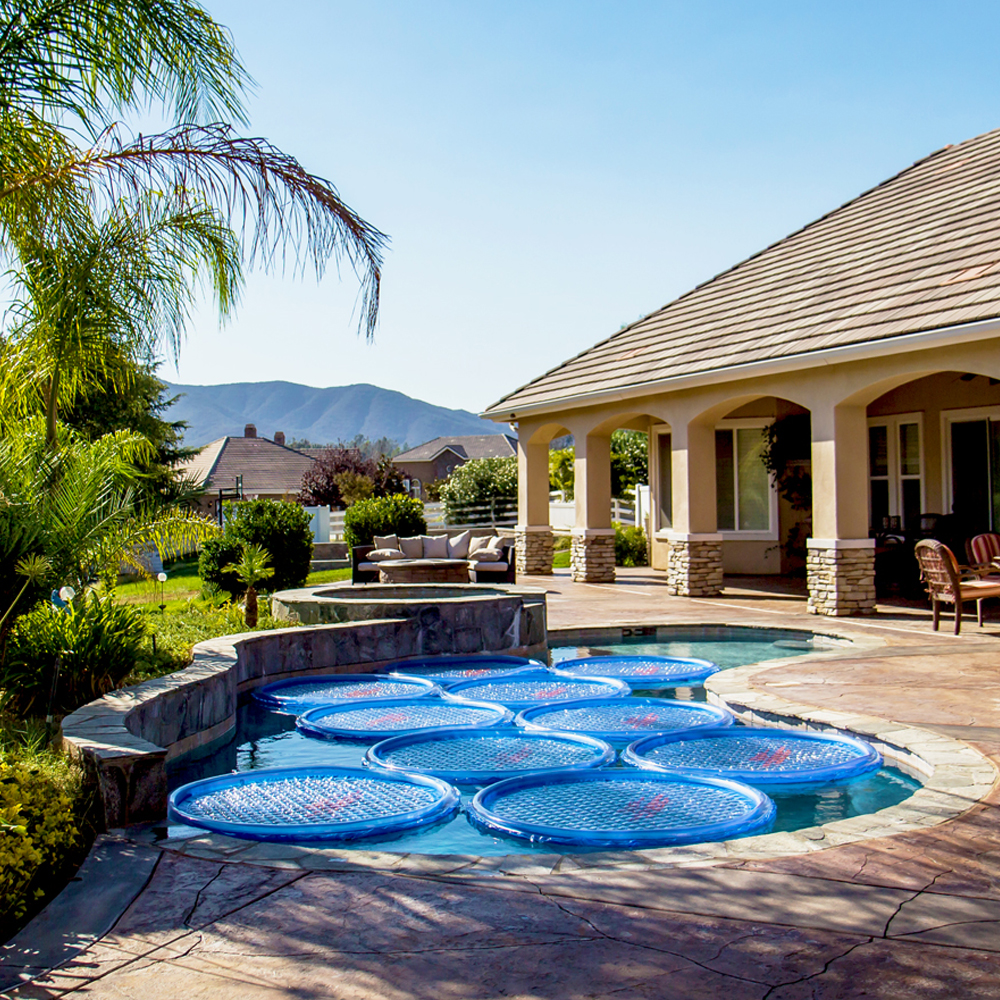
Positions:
(365, 569)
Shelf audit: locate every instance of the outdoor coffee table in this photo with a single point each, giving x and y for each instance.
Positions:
(424, 571)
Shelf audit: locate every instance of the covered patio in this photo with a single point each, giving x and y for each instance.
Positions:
(875, 329)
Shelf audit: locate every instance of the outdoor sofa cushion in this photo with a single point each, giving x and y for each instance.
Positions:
(379, 555)
(386, 542)
(458, 547)
(413, 547)
(435, 546)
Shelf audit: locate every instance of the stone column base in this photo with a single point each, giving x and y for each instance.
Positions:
(840, 573)
(592, 556)
(694, 567)
(534, 549)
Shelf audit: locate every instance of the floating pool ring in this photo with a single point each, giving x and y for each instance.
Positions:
(446, 670)
(643, 671)
(297, 695)
(620, 808)
(525, 688)
(376, 720)
(312, 803)
(767, 758)
(621, 721)
(465, 757)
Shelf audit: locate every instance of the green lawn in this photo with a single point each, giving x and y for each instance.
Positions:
(560, 559)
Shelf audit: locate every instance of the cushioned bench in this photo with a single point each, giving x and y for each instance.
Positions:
(490, 556)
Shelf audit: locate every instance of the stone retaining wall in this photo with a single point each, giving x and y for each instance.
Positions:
(125, 739)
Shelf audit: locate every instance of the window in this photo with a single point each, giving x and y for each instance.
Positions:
(895, 470)
(972, 468)
(745, 500)
(664, 490)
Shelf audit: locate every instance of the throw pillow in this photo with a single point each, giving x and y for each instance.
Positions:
(479, 543)
(435, 546)
(487, 555)
(382, 554)
(385, 542)
(413, 548)
(458, 547)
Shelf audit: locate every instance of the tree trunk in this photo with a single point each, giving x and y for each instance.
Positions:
(251, 607)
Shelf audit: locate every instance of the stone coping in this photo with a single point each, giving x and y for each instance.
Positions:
(954, 775)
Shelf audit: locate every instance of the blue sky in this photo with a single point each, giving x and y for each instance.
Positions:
(549, 171)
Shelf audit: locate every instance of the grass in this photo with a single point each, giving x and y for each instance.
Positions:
(188, 618)
(560, 559)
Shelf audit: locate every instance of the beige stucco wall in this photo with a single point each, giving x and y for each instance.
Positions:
(840, 396)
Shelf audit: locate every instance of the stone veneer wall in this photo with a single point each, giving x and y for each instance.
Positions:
(534, 551)
(125, 739)
(592, 557)
(841, 580)
(695, 568)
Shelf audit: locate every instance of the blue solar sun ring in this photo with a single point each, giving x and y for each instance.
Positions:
(620, 808)
(525, 688)
(312, 803)
(377, 720)
(620, 721)
(766, 758)
(446, 670)
(465, 757)
(643, 671)
(297, 695)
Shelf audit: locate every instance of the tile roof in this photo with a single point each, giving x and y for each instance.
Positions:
(266, 467)
(919, 252)
(466, 446)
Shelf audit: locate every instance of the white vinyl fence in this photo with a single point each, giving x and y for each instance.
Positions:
(502, 513)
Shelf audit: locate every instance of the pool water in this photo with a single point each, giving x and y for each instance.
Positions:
(268, 739)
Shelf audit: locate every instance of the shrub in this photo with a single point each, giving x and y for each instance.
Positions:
(280, 528)
(322, 485)
(480, 481)
(41, 809)
(393, 515)
(630, 546)
(99, 640)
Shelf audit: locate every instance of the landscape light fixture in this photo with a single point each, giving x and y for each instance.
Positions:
(162, 577)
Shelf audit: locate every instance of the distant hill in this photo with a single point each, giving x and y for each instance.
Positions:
(338, 413)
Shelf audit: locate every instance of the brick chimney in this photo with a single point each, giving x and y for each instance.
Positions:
(250, 431)
(279, 438)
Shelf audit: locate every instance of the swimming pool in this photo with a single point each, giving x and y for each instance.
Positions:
(265, 739)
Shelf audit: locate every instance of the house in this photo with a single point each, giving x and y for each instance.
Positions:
(439, 458)
(879, 323)
(247, 467)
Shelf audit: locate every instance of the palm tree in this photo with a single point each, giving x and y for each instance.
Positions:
(87, 62)
(254, 567)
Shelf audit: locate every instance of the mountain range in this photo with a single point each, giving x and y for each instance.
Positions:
(323, 416)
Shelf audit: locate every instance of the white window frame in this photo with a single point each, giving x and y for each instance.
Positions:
(949, 417)
(891, 422)
(736, 535)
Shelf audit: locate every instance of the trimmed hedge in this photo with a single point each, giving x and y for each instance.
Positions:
(395, 515)
(280, 528)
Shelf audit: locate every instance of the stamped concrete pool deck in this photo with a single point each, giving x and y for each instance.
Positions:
(913, 915)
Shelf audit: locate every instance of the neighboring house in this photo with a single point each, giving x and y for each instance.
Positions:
(253, 466)
(879, 320)
(439, 458)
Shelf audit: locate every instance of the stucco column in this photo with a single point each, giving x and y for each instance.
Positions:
(592, 557)
(533, 533)
(695, 562)
(840, 559)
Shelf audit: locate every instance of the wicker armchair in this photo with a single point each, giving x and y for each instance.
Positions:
(941, 576)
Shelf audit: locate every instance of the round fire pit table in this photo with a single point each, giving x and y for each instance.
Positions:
(424, 571)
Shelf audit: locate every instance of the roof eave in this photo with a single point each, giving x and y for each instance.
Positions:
(922, 340)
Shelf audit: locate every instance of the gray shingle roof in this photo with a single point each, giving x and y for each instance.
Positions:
(467, 446)
(919, 252)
